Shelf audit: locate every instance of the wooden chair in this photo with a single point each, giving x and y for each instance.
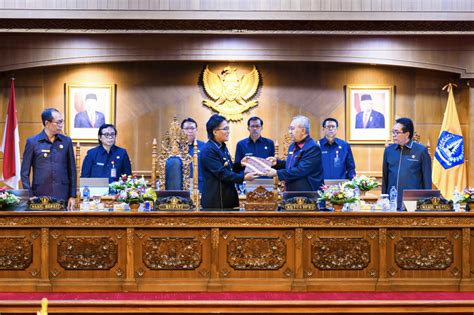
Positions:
(172, 167)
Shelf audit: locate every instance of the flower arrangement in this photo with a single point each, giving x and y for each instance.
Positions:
(7, 199)
(466, 196)
(132, 189)
(338, 194)
(363, 183)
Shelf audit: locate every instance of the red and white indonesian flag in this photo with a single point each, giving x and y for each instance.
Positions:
(11, 144)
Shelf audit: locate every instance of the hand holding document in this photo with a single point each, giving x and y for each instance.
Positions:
(259, 166)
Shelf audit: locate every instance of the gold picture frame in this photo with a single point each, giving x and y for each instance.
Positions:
(87, 107)
(369, 113)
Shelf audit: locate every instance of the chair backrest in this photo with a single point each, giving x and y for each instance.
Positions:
(173, 164)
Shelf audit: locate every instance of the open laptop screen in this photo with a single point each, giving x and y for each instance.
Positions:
(98, 186)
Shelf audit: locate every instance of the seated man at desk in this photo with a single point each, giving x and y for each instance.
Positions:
(106, 160)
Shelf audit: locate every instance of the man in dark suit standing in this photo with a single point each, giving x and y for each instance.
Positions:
(368, 117)
(51, 155)
(90, 118)
(303, 169)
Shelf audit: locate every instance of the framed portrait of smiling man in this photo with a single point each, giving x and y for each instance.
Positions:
(88, 107)
(369, 113)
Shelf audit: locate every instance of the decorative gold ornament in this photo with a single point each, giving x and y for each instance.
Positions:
(229, 93)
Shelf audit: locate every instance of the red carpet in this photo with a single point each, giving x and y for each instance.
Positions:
(243, 296)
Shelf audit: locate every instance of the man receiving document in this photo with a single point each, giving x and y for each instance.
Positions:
(302, 170)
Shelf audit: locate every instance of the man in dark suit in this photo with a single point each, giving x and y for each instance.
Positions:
(51, 155)
(90, 118)
(369, 118)
(303, 169)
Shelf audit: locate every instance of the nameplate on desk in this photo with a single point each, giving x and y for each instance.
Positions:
(45, 203)
(300, 204)
(434, 204)
(174, 203)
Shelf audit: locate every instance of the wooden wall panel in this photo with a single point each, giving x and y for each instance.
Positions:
(149, 94)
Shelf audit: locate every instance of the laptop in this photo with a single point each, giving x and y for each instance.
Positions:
(308, 194)
(98, 186)
(411, 196)
(332, 182)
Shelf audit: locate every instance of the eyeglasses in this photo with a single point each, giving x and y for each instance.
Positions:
(255, 126)
(57, 122)
(224, 129)
(292, 128)
(330, 127)
(109, 135)
(189, 128)
(397, 132)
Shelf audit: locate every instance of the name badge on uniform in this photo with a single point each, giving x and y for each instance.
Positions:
(324, 152)
(113, 170)
(46, 150)
(100, 164)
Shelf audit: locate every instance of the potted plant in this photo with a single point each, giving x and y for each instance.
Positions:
(7, 199)
(467, 197)
(363, 183)
(133, 191)
(338, 195)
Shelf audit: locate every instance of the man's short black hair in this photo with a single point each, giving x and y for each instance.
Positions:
(189, 119)
(407, 124)
(105, 126)
(213, 123)
(47, 115)
(330, 119)
(254, 118)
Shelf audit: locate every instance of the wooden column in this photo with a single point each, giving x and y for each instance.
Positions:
(196, 194)
(44, 285)
(130, 283)
(470, 165)
(298, 282)
(214, 282)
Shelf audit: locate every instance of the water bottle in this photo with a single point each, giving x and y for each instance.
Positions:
(86, 193)
(393, 198)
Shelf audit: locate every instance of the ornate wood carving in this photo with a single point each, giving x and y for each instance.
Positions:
(87, 253)
(261, 199)
(225, 220)
(174, 144)
(172, 253)
(414, 253)
(256, 253)
(16, 253)
(340, 253)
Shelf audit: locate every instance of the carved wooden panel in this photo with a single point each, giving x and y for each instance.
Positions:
(424, 253)
(16, 253)
(87, 253)
(172, 253)
(256, 253)
(340, 253)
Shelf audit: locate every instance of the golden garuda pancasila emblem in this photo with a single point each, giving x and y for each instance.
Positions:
(230, 93)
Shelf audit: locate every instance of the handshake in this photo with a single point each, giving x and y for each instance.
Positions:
(256, 167)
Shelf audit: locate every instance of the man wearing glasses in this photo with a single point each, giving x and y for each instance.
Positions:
(338, 162)
(51, 155)
(406, 164)
(106, 160)
(189, 126)
(255, 144)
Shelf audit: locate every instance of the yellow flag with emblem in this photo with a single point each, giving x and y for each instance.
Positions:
(449, 167)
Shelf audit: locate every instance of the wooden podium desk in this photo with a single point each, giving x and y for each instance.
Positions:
(235, 251)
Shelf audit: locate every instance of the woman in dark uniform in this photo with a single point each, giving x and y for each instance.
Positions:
(219, 173)
(106, 159)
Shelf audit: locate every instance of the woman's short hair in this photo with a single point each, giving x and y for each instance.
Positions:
(105, 126)
(213, 122)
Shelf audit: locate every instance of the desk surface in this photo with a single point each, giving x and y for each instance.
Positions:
(236, 251)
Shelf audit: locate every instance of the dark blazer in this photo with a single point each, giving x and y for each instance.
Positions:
(54, 167)
(220, 177)
(82, 120)
(303, 169)
(406, 168)
(99, 163)
(376, 120)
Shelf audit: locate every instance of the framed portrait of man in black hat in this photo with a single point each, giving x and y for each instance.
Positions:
(88, 107)
(369, 113)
